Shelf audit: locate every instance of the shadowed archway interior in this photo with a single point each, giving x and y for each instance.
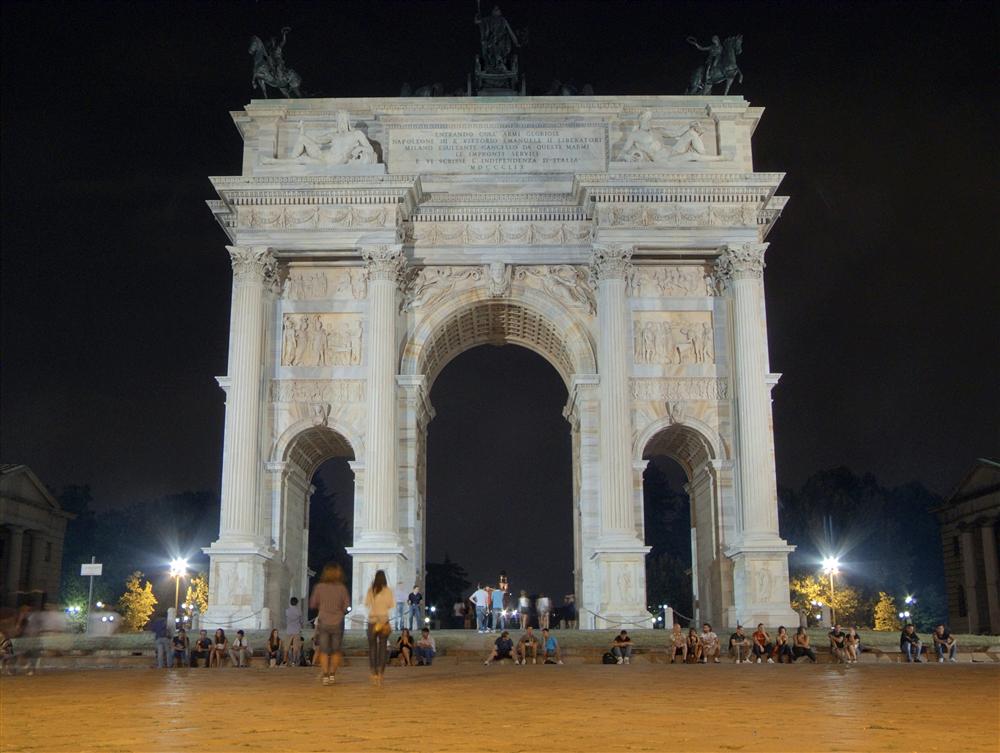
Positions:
(499, 470)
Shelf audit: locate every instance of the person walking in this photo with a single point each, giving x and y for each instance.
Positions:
(331, 598)
(379, 602)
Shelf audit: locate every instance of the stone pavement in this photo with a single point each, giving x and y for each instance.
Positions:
(461, 708)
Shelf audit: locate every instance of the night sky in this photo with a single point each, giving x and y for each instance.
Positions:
(881, 280)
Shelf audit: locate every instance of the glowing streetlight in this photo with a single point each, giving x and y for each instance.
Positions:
(831, 566)
(178, 569)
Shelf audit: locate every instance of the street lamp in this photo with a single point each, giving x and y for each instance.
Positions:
(178, 569)
(831, 566)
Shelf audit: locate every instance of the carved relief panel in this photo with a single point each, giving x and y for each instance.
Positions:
(682, 281)
(674, 337)
(321, 340)
(304, 284)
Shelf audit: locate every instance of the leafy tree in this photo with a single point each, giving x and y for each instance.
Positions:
(447, 582)
(886, 614)
(197, 593)
(846, 600)
(138, 602)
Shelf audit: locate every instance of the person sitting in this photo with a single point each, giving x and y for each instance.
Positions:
(425, 648)
(527, 643)
(838, 644)
(693, 647)
(621, 647)
(709, 644)
(678, 644)
(739, 645)
(181, 647)
(550, 648)
(220, 646)
(294, 652)
(944, 643)
(783, 646)
(240, 652)
(202, 649)
(404, 648)
(910, 644)
(801, 646)
(6, 653)
(274, 648)
(503, 648)
(760, 644)
(852, 641)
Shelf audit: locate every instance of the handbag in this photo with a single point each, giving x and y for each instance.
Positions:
(382, 628)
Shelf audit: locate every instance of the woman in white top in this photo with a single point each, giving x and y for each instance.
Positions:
(380, 602)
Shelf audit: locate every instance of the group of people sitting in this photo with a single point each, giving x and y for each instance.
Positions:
(209, 652)
(414, 654)
(528, 645)
(758, 647)
(944, 644)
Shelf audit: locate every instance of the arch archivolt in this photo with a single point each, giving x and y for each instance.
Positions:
(691, 441)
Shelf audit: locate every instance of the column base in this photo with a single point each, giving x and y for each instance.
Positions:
(621, 577)
(369, 556)
(760, 584)
(239, 587)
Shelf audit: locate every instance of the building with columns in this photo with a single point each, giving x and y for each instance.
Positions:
(621, 238)
(970, 538)
(32, 528)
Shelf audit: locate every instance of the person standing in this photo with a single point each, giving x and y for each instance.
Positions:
(569, 611)
(161, 637)
(479, 601)
(331, 598)
(379, 602)
(293, 629)
(544, 605)
(401, 598)
(499, 616)
(458, 615)
(524, 609)
(415, 600)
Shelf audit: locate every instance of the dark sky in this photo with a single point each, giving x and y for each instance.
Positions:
(882, 274)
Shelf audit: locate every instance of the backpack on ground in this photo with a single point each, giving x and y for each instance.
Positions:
(608, 658)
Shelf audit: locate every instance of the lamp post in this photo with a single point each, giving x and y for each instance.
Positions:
(178, 569)
(831, 566)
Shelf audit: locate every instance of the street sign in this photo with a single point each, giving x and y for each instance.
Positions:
(91, 568)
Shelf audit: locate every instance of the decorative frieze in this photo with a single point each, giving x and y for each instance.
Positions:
(425, 286)
(568, 284)
(683, 281)
(678, 215)
(316, 217)
(498, 233)
(681, 388)
(321, 340)
(325, 284)
(333, 391)
(674, 338)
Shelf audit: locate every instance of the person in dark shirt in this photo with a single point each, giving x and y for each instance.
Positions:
(416, 617)
(202, 647)
(181, 647)
(838, 643)
(944, 643)
(503, 648)
(909, 644)
(739, 645)
(621, 648)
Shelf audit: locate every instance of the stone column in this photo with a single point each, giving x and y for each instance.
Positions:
(760, 556)
(610, 266)
(991, 568)
(254, 271)
(12, 579)
(969, 578)
(619, 552)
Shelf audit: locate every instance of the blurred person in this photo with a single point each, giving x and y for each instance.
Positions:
(910, 644)
(379, 603)
(401, 596)
(569, 612)
(274, 648)
(293, 623)
(783, 646)
(761, 644)
(739, 645)
(426, 648)
(801, 646)
(458, 615)
(499, 615)
(181, 647)
(294, 653)
(528, 643)
(944, 643)
(6, 654)
(693, 646)
(524, 610)
(416, 608)
(220, 647)
(621, 647)
(480, 600)
(544, 606)
(851, 643)
(240, 651)
(331, 599)
(202, 649)
(678, 644)
(503, 648)
(710, 647)
(161, 642)
(550, 647)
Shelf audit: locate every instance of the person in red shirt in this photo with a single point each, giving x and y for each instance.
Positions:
(761, 644)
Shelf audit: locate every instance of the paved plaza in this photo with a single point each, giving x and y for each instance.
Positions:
(467, 707)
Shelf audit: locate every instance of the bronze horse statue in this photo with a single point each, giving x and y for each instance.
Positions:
(726, 71)
(269, 67)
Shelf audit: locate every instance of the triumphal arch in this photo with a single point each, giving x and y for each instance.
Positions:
(621, 238)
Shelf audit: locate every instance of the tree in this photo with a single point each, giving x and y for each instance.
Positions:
(197, 592)
(138, 602)
(886, 616)
(846, 600)
(446, 583)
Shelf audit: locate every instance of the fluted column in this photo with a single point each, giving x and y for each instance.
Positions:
(741, 269)
(12, 578)
(254, 274)
(383, 265)
(610, 266)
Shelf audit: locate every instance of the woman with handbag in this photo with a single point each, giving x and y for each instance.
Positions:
(379, 602)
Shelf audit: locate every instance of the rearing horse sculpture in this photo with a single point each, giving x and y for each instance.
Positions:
(269, 68)
(726, 71)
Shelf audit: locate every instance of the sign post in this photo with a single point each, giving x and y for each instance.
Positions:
(90, 569)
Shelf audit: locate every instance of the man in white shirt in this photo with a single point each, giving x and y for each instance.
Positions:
(480, 600)
(709, 644)
(240, 651)
(400, 593)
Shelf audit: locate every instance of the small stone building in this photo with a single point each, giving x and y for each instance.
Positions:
(970, 534)
(32, 528)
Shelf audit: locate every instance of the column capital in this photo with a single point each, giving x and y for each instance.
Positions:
(253, 265)
(384, 261)
(738, 262)
(611, 261)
